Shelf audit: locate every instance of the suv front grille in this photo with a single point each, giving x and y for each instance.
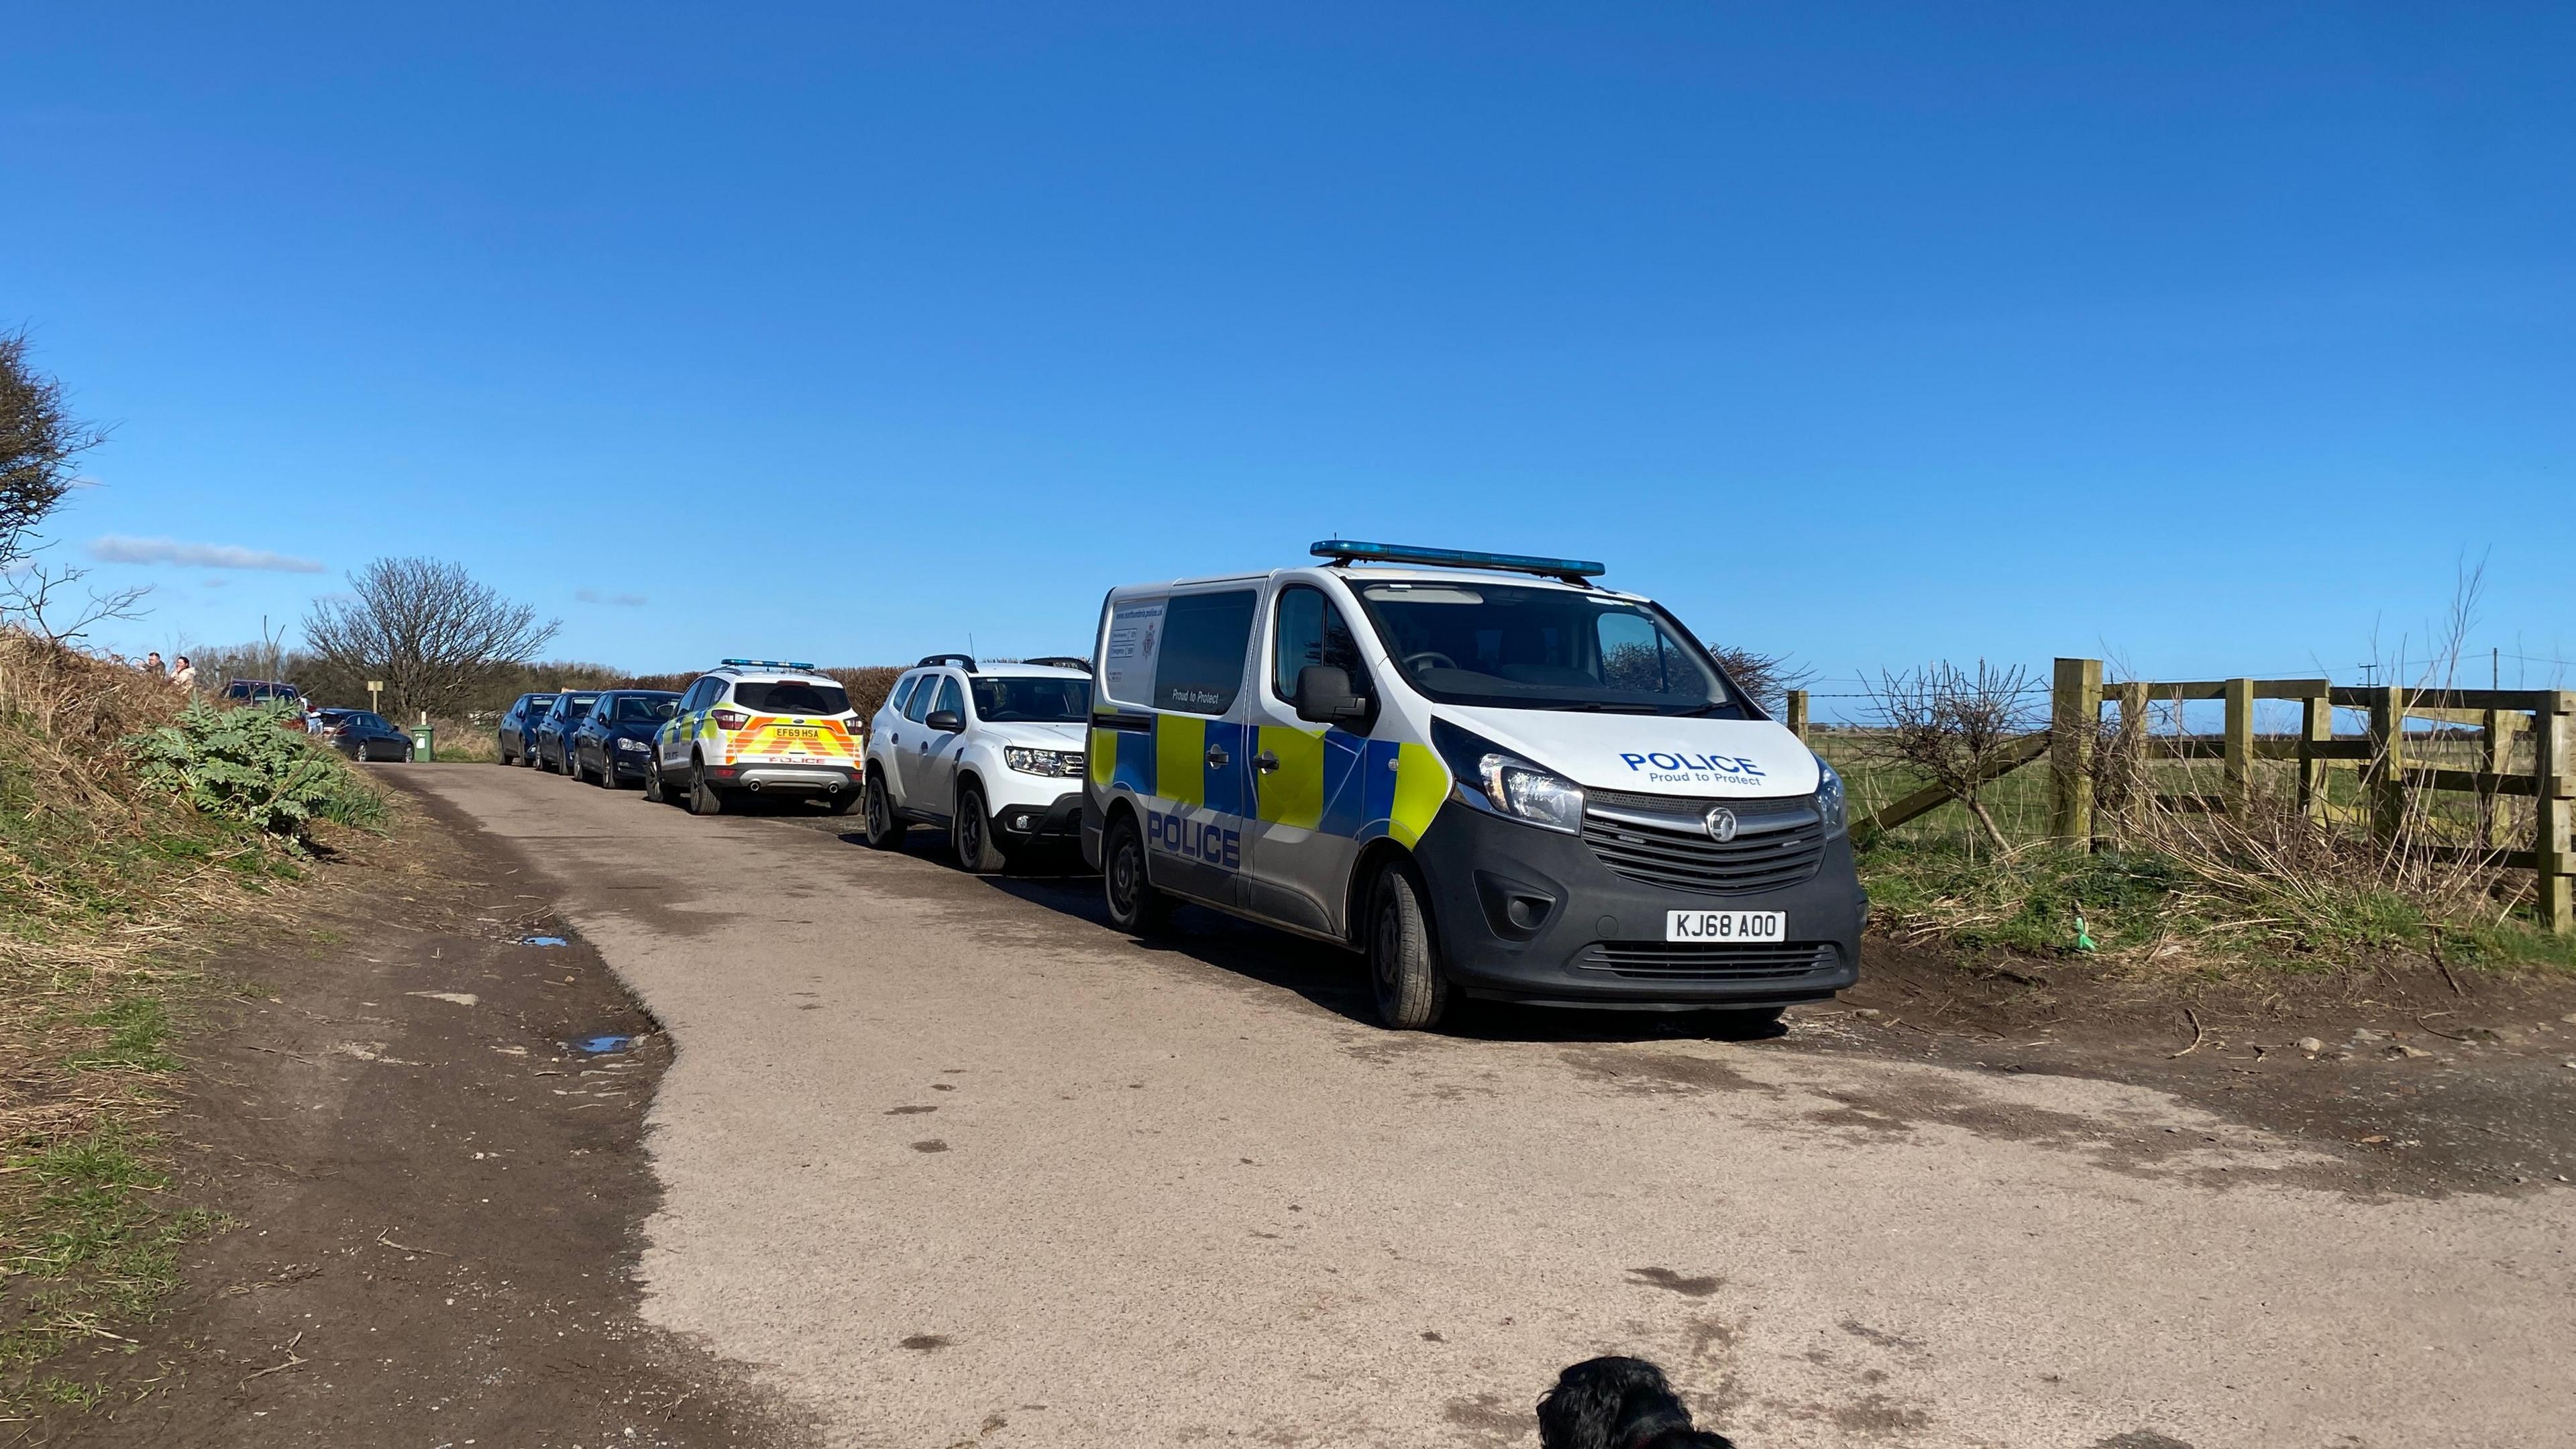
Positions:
(1711, 960)
(1662, 841)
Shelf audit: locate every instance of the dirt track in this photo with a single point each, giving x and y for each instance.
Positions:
(953, 1164)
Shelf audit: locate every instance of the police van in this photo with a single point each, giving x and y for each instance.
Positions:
(1487, 773)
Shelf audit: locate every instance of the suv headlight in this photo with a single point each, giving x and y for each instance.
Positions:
(1523, 791)
(1829, 798)
(1042, 762)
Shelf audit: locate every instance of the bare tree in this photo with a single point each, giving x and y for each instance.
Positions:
(48, 600)
(1768, 678)
(1954, 728)
(39, 439)
(427, 629)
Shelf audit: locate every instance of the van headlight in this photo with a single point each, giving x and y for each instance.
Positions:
(1525, 792)
(1829, 798)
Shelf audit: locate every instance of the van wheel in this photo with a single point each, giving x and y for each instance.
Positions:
(1134, 905)
(1404, 970)
(973, 835)
(704, 799)
(884, 831)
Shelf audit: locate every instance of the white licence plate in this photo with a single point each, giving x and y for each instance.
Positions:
(1726, 925)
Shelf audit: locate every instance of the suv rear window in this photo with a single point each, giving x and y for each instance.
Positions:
(791, 696)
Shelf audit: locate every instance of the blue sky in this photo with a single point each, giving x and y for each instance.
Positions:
(2210, 337)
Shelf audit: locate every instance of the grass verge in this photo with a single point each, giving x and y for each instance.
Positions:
(112, 878)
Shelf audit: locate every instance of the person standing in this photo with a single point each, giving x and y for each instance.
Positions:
(153, 666)
(185, 676)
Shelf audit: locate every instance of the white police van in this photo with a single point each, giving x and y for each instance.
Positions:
(1486, 772)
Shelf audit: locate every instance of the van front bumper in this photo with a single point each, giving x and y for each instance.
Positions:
(1533, 915)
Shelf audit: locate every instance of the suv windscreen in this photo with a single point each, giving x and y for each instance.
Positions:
(1031, 701)
(1518, 647)
(642, 709)
(791, 696)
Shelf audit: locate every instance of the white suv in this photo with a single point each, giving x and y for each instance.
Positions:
(991, 753)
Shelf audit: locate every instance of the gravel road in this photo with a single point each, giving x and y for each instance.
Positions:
(949, 1162)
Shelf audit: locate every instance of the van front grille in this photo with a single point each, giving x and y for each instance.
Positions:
(1662, 846)
(1711, 960)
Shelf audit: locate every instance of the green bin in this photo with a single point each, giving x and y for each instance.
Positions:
(424, 742)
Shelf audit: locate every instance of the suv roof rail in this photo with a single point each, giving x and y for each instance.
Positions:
(1060, 661)
(1349, 551)
(962, 661)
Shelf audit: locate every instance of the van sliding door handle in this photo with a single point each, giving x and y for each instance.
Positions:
(1217, 758)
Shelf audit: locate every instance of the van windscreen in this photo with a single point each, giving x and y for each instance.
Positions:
(1519, 647)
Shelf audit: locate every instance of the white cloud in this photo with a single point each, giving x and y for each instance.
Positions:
(623, 601)
(116, 548)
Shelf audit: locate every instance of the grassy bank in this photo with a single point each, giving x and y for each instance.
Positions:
(119, 859)
(2268, 890)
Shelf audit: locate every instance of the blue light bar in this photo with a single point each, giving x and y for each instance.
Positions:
(766, 664)
(1345, 550)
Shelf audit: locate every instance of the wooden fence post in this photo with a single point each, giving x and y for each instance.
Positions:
(2551, 861)
(2316, 727)
(2074, 717)
(1798, 714)
(2385, 770)
(2239, 768)
(2137, 785)
(2495, 757)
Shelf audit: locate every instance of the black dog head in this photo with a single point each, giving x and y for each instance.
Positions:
(1618, 1403)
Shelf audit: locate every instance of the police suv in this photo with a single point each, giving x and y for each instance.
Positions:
(992, 753)
(1485, 772)
(758, 727)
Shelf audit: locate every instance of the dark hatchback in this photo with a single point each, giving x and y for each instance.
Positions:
(519, 728)
(554, 729)
(361, 735)
(613, 742)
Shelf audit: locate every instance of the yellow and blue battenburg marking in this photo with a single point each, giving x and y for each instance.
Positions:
(1330, 781)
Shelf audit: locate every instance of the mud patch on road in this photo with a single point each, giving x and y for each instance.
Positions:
(438, 1201)
(1672, 1282)
(1661, 1073)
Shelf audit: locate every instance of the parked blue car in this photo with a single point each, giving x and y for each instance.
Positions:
(519, 728)
(362, 734)
(554, 732)
(615, 740)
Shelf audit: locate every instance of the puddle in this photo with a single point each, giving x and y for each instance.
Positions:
(602, 1045)
(543, 941)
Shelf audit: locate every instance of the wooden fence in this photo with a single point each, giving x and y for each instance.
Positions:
(2384, 755)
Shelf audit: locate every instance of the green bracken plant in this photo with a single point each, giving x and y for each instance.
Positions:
(242, 765)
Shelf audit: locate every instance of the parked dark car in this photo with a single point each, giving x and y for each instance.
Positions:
(612, 744)
(268, 691)
(519, 728)
(361, 735)
(555, 729)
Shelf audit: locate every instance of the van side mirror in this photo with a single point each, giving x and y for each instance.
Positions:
(1324, 696)
(946, 721)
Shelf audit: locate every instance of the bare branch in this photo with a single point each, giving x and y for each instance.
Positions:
(425, 627)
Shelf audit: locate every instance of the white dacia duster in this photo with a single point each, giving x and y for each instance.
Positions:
(991, 753)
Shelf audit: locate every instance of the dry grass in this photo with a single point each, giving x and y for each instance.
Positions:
(107, 893)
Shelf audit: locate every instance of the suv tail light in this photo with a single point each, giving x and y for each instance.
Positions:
(729, 719)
